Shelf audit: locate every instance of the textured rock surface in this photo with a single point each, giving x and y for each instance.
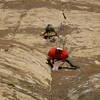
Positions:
(88, 90)
(24, 75)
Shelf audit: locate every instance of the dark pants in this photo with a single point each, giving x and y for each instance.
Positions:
(71, 62)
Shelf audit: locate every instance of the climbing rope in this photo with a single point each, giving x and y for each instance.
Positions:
(62, 39)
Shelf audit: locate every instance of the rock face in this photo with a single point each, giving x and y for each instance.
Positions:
(24, 74)
(88, 90)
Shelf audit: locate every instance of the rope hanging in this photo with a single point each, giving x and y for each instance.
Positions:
(62, 39)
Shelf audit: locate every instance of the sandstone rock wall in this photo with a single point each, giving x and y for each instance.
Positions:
(24, 74)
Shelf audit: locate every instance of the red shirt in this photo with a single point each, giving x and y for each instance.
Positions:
(53, 53)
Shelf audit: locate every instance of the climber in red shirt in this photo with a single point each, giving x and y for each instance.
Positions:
(56, 54)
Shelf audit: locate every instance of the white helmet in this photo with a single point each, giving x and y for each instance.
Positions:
(59, 49)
